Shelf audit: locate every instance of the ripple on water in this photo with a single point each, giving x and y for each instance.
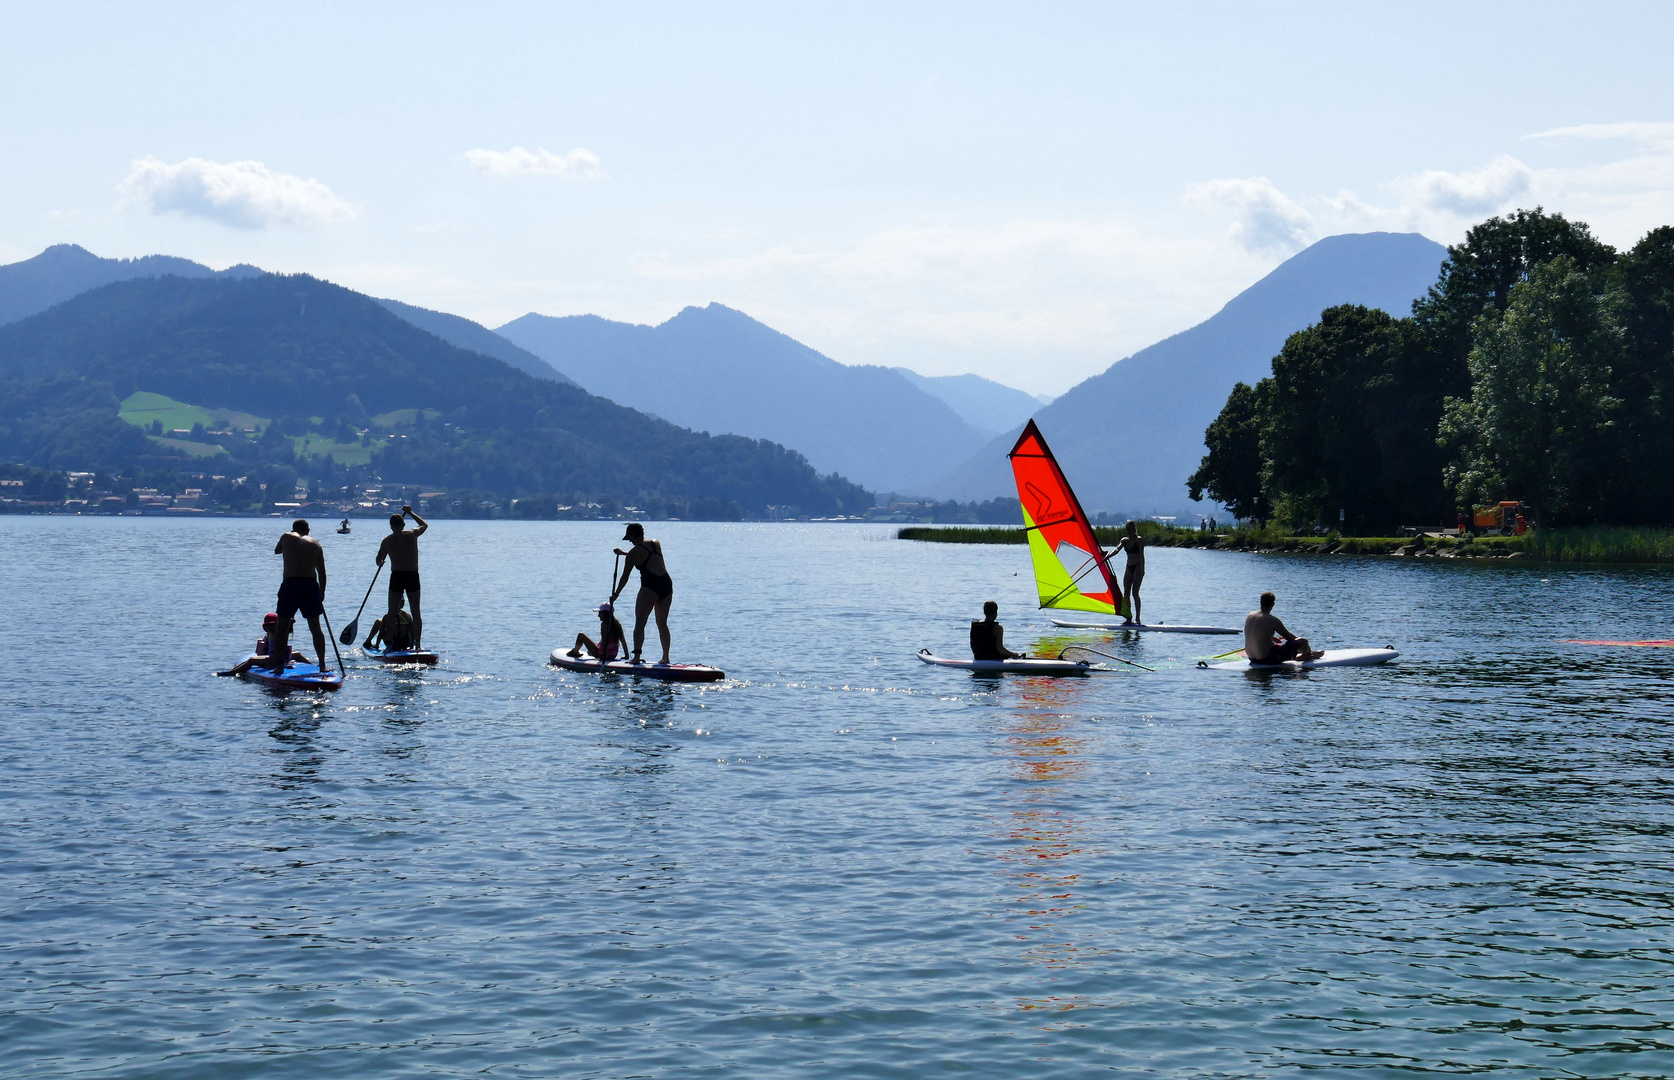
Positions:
(838, 861)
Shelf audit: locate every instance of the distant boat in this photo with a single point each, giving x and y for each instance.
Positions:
(343, 528)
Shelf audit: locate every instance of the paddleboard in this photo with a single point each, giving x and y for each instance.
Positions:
(296, 677)
(403, 656)
(1028, 666)
(1642, 644)
(1143, 628)
(1332, 658)
(667, 672)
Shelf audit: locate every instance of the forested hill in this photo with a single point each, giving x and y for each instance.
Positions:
(293, 348)
(1538, 369)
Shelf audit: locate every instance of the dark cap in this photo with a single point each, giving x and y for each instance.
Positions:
(634, 529)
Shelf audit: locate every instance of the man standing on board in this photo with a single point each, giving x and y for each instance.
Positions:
(302, 590)
(1260, 627)
(400, 547)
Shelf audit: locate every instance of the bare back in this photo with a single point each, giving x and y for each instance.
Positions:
(402, 550)
(1259, 628)
(304, 558)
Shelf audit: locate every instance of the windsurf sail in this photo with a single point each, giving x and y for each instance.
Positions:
(1071, 571)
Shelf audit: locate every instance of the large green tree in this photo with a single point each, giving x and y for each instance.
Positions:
(1231, 472)
(1537, 423)
(1642, 486)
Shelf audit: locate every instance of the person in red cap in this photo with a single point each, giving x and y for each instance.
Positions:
(656, 588)
(264, 647)
(613, 640)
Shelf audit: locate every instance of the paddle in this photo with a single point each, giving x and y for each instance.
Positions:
(353, 628)
(334, 648)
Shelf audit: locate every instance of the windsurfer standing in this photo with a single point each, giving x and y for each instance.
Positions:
(1133, 574)
(988, 637)
(1260, 628)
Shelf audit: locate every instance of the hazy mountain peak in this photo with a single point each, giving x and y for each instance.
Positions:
(1153, 406)
(714, 368)
(64, 271)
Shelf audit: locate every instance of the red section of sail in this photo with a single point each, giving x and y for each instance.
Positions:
(1057, 513)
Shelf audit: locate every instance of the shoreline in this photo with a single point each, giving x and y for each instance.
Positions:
(1646, 546)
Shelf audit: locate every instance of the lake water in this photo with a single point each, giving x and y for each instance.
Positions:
(839, 862)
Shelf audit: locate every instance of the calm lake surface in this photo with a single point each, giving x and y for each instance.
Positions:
(840, 862)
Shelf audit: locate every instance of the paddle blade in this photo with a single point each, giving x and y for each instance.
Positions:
(347, 637)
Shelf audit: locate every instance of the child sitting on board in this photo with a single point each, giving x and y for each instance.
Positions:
(264, 647)
(613, 640)
(397, 638)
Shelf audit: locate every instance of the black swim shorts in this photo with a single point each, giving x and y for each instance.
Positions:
(299, 594)
(404, 579)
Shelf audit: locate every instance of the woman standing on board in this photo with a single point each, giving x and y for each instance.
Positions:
(656, 588)
(1134, 574)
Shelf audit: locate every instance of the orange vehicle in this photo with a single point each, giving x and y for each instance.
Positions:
(1505, 518)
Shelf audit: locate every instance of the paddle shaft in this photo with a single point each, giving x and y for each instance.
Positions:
(354, 623)
(334, 647)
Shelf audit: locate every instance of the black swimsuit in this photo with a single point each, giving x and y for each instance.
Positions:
(661, 584)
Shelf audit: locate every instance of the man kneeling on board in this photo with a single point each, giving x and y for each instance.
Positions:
(1261, 628)
(613, 640)
(988, 637)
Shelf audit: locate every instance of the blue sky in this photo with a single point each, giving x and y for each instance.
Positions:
(1025, 191)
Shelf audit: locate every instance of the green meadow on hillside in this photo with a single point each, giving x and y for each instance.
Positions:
(143, 408)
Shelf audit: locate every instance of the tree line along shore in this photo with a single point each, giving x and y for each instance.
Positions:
(1539, 369)
(1584, 544)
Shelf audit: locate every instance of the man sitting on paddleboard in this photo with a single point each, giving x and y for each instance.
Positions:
(1260, 628)
(302, 590)
(613, 640)
(656, 588)
(988, 637)
(400, 547)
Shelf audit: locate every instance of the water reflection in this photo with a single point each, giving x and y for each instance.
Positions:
(1047, 843)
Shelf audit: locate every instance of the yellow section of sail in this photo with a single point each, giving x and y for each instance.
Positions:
(1056, 587)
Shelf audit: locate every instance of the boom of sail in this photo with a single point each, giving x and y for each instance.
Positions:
(1071, 571)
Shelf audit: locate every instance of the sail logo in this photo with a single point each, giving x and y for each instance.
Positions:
(1042, 508)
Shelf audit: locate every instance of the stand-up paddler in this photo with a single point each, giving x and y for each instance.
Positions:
(302, 590)
(400, 547)
(656, 588)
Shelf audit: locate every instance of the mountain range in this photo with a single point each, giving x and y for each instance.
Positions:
(291, 348)
(716, 369)
(1128, 438)
(983, 403)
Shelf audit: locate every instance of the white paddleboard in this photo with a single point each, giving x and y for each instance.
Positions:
(665, 672)
(1028, 666)
(1332, 658)
(1143, 628)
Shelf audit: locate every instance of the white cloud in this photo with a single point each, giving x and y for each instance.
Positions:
(1653, 134)
(1479, 193)
(1265, 219)
(240, 194)
(580, 164)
